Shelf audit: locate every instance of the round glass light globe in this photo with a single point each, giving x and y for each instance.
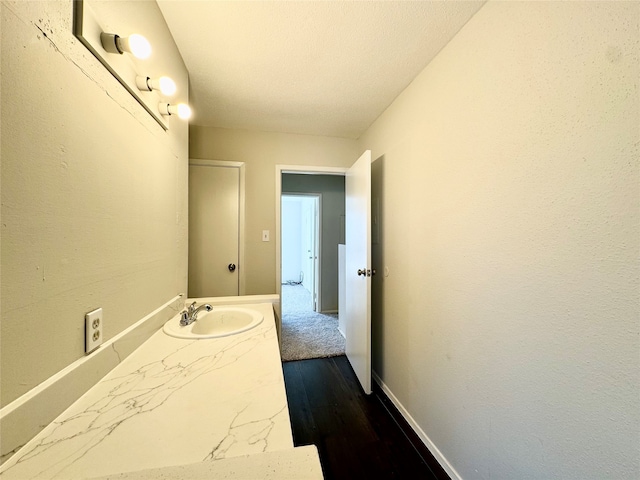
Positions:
(139, 46)
(184, 112)
(167, 86)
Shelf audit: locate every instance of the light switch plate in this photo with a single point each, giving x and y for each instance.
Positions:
(265, 235)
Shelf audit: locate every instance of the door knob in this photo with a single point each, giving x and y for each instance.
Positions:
(366, 272)
(232, 267)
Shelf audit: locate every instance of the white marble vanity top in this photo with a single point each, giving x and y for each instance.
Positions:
(300, 463)
(172, 402)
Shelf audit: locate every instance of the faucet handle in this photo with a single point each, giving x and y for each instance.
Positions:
(192, 307)
(184, 318)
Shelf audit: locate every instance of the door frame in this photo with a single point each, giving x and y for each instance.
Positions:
(241, 210)
(317, 261)
(300, 170)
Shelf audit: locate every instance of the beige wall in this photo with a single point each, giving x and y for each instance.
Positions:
(261, 152)
(94, 196)
(509, 180)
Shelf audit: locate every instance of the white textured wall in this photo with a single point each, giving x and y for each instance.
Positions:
(94, 196)
(262, 151)
(509, 182)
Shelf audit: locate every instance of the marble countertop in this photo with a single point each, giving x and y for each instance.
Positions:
(300, 463)
(172, 402)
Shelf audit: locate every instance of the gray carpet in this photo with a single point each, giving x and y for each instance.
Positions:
(305, 333)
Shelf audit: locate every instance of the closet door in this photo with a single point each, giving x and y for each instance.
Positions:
(214, 222)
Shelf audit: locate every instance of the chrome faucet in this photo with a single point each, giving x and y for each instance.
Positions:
(190, 315)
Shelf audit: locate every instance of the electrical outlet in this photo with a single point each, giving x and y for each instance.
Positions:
(92, 330)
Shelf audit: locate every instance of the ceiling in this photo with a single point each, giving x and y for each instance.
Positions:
(307, 66)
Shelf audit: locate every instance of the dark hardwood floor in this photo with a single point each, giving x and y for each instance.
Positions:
(356, 434)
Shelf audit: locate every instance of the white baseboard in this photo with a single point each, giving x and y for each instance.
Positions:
(416, 428)
(25, 417)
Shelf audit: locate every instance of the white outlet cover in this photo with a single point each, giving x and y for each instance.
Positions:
(92, 330)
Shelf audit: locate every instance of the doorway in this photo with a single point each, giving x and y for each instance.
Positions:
(357, 259)
(301, 250)
(311, 219)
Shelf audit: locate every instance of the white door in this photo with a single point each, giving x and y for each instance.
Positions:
(307, 245)
(358, 268)
(311, 244)
(214, 194)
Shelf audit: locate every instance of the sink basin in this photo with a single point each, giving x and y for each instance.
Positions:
(219, 322)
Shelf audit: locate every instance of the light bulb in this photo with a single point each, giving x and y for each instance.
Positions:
(182, 110)
(135, 44)
(138, 46)
(164, 84)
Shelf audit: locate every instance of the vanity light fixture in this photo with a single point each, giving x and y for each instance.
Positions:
(182, 110)
(163, 84)
(135, 44)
